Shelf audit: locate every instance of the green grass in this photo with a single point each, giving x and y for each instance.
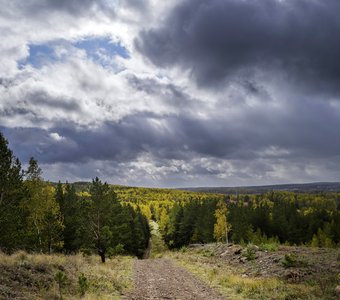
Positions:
(231, 281)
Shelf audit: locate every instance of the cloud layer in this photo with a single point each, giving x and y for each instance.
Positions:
(182, 93)
(220, 39)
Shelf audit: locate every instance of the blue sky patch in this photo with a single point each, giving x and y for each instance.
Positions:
(102, 49)
(39, 54)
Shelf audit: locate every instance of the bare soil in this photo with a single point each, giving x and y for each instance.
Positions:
(162, 279)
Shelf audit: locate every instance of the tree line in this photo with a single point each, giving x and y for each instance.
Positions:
(37, 216)
(280, 217)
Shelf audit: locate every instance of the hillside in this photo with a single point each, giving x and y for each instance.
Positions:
(313, 187)
(256, 273)
(316, 187)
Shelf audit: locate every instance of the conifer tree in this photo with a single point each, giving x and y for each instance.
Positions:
(12, 227)
(102, 199)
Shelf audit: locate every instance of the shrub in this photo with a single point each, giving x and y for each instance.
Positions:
(83, 284)
(183, 249)
(271, 247)
(61, 279)
(289, 261)
(250, 252)
(208, 253)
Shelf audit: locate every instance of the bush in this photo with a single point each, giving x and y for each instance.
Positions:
(83, 284)
(117, 250)
(208, 253)
(271, 247)
(61, 279)
(250, 252)
(183, 249)
(291, 260)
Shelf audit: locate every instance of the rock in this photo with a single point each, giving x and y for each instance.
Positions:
(337, 290)
(243, 259)
(293, 276)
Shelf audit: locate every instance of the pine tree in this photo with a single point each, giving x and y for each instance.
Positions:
(12, 229)
(59, 197)
(102, 199)
(72, 215)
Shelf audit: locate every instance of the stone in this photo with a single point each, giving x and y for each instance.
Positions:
(337, 290)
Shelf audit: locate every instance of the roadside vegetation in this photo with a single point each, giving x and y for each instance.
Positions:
(310, 274)
(57, 276)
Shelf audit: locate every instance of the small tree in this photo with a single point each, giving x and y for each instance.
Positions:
(61, 279)
(99, 215)
(83, 283)
(221, 227)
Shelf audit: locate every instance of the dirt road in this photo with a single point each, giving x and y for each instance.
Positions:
(162, 279)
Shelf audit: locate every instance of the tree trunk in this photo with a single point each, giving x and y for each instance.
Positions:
(39, 236)
(101, 253)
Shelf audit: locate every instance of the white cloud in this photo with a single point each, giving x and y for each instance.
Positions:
(55, 136)
(239, 133)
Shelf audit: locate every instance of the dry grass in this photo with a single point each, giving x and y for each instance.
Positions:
(32, 276)
(235, 284)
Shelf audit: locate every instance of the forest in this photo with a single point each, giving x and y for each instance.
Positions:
(271, 218)
(44, 217)
(38, 216)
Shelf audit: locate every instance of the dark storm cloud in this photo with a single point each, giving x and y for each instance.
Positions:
(141, 5)
(260, 134)
(68, 5)
(74, 7)
(42, 98)
(77, 8)
(27, 107)
(218, 39)
(170, 93)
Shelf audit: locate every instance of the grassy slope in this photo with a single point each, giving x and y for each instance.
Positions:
(26, 276)
(265, 277)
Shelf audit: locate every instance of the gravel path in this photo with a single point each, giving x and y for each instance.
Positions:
(162, 279)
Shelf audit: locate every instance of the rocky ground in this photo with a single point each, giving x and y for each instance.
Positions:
(162, 279)
(306, 264)
(251, 272)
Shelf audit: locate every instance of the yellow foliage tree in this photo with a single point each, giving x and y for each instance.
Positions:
(44, 217)
(221, 227)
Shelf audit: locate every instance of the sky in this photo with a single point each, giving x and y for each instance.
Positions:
(173, 93)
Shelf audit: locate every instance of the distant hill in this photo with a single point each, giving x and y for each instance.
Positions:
(144, 195)
(316, 187)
